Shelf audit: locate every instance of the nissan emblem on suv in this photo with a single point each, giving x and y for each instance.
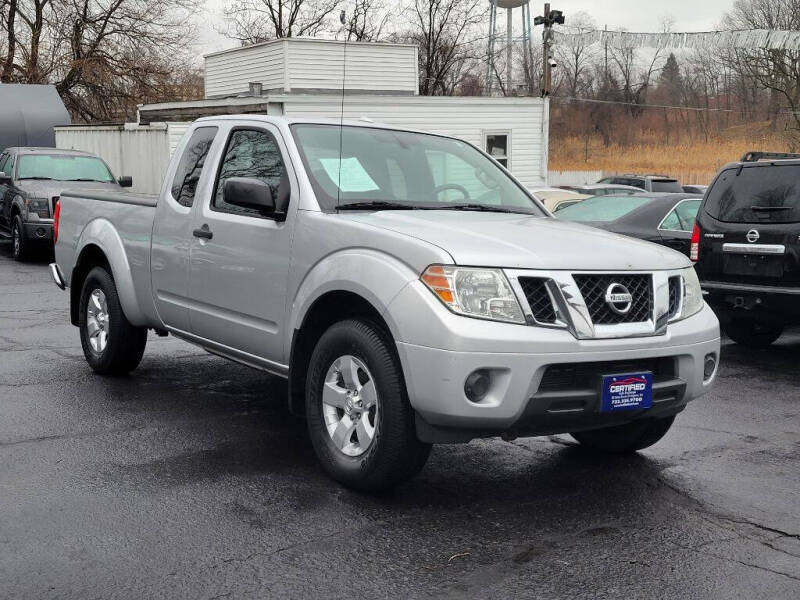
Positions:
(618, 298)
(752, 236)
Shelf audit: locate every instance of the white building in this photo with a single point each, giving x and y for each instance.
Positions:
(306, 77)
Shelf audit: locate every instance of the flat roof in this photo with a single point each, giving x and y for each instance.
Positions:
(307, 39)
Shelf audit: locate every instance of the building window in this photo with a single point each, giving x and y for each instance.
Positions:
(498, 145)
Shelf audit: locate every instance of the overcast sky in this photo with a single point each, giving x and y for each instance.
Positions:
(633, 15)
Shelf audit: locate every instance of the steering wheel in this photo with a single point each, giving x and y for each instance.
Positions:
(452, 186)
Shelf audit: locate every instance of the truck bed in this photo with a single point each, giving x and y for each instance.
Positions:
(131, 216)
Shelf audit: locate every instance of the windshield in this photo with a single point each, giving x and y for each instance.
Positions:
(63, 167)
(405, 170)
(602, 209)
(762, 194)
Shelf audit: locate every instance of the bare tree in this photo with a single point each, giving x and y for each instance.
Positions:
(103, 57)
(442, 28)
(367, 20)
(577, 56)
(253, 21)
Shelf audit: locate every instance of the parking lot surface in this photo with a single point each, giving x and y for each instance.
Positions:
(189, 479)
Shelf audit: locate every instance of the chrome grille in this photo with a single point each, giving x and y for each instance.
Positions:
(535, 290)
(594, 287)
(674, 295)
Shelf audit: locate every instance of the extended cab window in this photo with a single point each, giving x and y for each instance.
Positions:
(759, 194)
(184, 185)
(252, 153)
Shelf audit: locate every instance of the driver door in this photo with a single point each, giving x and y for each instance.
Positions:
(239, 259)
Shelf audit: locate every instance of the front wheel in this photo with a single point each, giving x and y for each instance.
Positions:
(19, 243)
(111, 345)
(753, 333)
(359, 418)
(624, 439)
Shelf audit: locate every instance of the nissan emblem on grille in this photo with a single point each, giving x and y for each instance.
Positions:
(618, 298)
(752, 236)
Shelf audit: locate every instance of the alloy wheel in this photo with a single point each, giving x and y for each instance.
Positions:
(350, 405)
(97, 321)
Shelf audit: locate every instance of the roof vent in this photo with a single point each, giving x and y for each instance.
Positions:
(255, 88)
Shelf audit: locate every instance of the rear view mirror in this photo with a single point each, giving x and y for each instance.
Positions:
(4, 178)
(125, 181)
(249, 192)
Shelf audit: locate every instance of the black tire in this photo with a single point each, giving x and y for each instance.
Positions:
(19, 244)
(753, 333)
(624, 439)
(395, 453)
(125, 343)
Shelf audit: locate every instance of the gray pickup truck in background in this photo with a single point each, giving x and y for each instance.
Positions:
(31, 181)
(406, 284)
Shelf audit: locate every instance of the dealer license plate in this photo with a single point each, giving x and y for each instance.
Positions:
(633, 391)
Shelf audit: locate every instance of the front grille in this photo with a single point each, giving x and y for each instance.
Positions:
(674, 295)
(586, 376)
(535, 290)
(594, 287)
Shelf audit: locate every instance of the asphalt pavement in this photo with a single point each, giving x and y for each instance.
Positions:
(189, 479)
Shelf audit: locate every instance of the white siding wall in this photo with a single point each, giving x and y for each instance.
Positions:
(311, 64)
(465, 118)
(142, 152)
(315, 65)
(228, 73)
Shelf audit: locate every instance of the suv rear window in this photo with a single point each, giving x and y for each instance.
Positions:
(759, 194)
(666, 185)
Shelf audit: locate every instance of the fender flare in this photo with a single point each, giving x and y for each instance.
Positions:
(101, 233)
(375, 276)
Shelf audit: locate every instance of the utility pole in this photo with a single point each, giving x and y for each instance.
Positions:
(550, 18)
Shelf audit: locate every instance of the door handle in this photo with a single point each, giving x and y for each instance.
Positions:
(204, 232)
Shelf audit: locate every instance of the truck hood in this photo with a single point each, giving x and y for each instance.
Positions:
(524, 242)
(49, 189)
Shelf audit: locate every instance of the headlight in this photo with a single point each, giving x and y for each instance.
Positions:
(38, 206)
(692, 294)
(481, 293)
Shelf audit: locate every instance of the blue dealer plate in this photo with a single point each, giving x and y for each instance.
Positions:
(633, 391)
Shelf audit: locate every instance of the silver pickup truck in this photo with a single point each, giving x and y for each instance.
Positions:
(409, 288)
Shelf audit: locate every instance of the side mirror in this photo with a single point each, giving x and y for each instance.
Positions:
(125, 181)
(249, 192)
(4, 178)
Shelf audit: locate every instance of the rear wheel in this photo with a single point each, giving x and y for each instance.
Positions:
(359, 418)
(627, 438)
(111, 345)
(753, 333)
(19, 244)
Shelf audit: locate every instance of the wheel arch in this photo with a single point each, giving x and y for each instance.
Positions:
(99, 245)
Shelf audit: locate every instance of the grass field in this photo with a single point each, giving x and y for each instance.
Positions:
(691, 162)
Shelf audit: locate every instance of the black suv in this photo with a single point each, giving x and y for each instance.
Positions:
(746, 243)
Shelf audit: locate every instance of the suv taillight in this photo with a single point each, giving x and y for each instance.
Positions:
(694, 251)
(56, 215)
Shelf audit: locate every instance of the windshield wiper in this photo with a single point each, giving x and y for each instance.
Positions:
(37, 178)
(376, 205)
(771, 207)
(480, 208)
(97, 180)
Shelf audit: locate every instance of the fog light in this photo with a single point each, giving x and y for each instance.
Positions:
(709, 365)
(40, 232)
(477, 385)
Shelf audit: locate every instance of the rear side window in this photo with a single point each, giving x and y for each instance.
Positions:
(768, 194)
(666, 185)
(681, 218)
(184, 185)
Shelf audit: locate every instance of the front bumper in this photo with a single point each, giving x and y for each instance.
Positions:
(448, 349)
(38, 231)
